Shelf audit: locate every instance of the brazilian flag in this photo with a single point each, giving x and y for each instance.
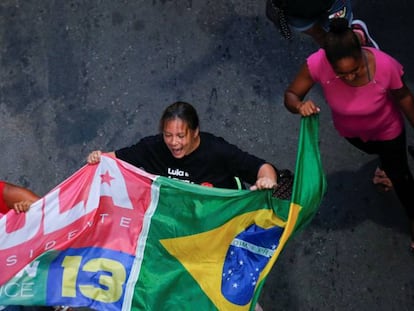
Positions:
(212, 249)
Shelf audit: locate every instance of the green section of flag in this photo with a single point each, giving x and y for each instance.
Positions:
(199, 222)
(310, 182)
(186, 210)
(29, 288)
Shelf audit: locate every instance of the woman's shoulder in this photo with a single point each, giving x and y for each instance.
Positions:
(385, 63)
(152, 139)
(381, 56)
(218, 145)
(152, 142)
(319, 67)
(211, 138)
(319, 55)
(214, 144)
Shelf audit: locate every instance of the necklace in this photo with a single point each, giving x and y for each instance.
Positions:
(364, 53)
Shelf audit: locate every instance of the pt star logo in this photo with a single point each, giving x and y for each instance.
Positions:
(106, 178)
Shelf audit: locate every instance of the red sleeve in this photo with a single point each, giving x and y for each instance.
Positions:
(3, 207)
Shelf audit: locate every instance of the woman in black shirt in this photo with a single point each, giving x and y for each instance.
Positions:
(182, 152)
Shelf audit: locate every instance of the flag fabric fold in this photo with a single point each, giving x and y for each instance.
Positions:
(112, 237)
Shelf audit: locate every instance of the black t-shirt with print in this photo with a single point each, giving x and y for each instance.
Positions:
(215, 162)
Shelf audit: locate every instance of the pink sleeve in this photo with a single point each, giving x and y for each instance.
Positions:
(319, 67)
(389, 70)
(396, 74)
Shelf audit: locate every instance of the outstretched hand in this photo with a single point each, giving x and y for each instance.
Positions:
(94, 157)
(308, 108)
(264, 183)
(22, 206)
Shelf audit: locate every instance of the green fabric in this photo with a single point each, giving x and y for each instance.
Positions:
(187, 213)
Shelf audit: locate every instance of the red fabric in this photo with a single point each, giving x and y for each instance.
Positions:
(3, 207)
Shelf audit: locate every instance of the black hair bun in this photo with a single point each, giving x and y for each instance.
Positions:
(338, 25)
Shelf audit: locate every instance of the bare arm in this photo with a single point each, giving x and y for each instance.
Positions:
(95, 156)
(18, 198)
(266, 178)
(297, 91)
(404, 98)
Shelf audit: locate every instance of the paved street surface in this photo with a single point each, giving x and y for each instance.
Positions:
(83, 75)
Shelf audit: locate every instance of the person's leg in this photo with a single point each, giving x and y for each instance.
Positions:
(317, 27)
(393, 159)
(380, 177)
(394, 162)
(381, 180)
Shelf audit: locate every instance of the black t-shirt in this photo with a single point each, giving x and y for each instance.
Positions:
(215, 162)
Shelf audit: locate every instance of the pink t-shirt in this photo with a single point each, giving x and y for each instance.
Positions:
(367, 111)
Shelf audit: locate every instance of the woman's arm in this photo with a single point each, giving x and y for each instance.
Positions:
(95, 156)
(18, 198)
(266, 178)
(296, 92)
(404, 98)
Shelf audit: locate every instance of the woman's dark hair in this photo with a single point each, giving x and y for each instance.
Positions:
(183, 111)
(341, 42)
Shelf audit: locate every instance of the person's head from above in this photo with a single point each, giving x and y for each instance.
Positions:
(179, 126)
(343, 50)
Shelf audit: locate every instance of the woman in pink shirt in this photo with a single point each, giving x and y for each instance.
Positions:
(368, 100)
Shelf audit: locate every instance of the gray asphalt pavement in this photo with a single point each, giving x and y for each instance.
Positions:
(83, 75)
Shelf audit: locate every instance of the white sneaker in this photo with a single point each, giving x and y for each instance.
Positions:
(258, 307)
(357, 24)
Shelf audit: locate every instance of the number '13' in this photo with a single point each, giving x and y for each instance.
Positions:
(114, 282)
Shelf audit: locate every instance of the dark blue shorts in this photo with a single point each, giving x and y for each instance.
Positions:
(340, 8)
